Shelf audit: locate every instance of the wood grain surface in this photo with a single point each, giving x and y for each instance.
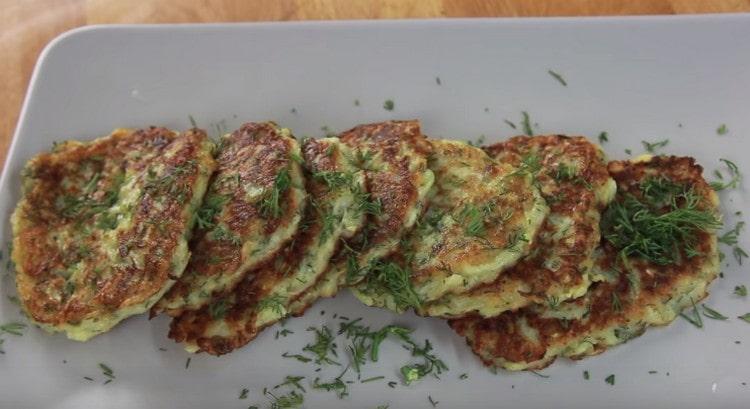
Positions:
(27, 25)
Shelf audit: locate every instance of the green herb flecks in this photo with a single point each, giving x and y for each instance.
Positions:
(336, 385)
(603, 137)
(212, 206)
(270, 206)
(526, 124)
(713, 314)
(510, 124)
(292, 381)
(694, 317)
(558, 77)
(722, 129)
(107, 372)
(218, 309)
(651, 147)
(610, 379)
(735, 177)
(244, 393)
(298, 357)
(388, 277)
(323, 346)
(431, 364)
(388, 105)
(731, 238)
(274, 302)
(288, 401)
(586, 375)
(740, 290)
(13, 328)
(745, 317)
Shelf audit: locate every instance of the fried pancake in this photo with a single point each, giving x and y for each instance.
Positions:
(335, 188)
(252, 209)
(647, 277)
(101, 230)
(393, 155)
(574, 182)
(480, 222)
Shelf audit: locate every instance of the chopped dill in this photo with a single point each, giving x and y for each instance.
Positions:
(13, 328)
(603, 137)
(526, 124)
(651, 147)
(298, 357)
(642, 228)
(734, 181)
(388, 105)
(388, 277)
(740, 290)
(437, 81)
(218, 309)
(323, 346)
(586, 375)
(558, 77)
(722, 129)
(273, 302)
(243, 393)
(510, 124)
(270, 206)
(695, 319)
(610, 379)
(745, 317)
(713, 314)
(211, 207)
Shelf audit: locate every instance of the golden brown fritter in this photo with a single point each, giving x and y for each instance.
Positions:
(101, 230)
(335, 189)
(572, 176)
(639, 287)
(393, 155)
(480, 222)
(252, 209)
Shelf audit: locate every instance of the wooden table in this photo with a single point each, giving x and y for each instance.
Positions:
(27, 25)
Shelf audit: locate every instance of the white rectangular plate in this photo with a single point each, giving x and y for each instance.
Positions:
(675, 78)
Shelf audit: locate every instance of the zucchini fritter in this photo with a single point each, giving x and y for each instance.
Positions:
(658, 256)
(393, 155)
(574, 181)
(335, 188)
(252, 209)
(481, 220)
(101, 230)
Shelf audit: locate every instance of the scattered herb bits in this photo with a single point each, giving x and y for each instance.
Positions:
(722, 129)
(558, 77)
(610, 379)
(388, 105)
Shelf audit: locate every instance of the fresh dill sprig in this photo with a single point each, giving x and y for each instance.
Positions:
(13, 328)
(211, 207)
(651, 147)
(731, 238)
(270, 206)
(431, 364)
(388, 277)
(323, 346)
(641, 228)
(274, 302)
(733, 182)
(695, 319)
(336, 385)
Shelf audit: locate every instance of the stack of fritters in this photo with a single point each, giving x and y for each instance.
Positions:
(523, 245)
